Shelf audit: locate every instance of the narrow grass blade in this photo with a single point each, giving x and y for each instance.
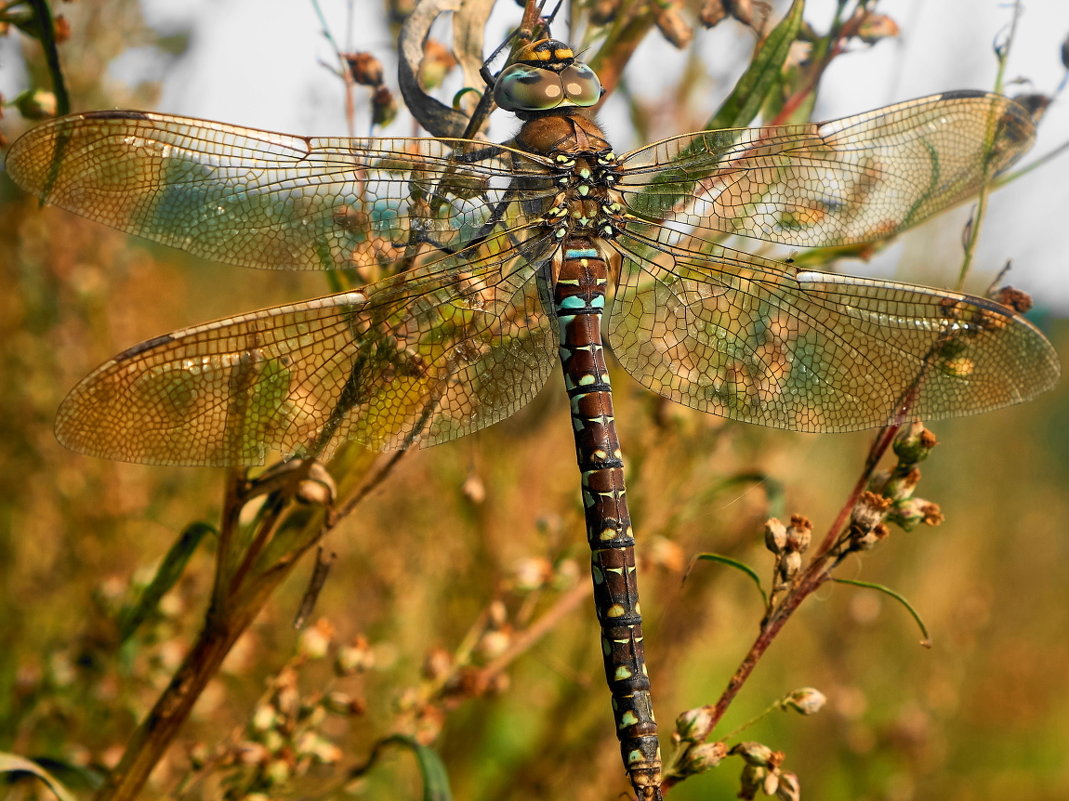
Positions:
(13, 763)
(927, 641)
(735, 563)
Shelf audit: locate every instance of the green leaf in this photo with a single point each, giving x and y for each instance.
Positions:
(735, 563)
(927, 641)
(170, 570)
(13, 763)
(738, 110)
(762, 76)
(459, 96)
(435, 778)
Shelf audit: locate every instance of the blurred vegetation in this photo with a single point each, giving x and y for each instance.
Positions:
(465, 546)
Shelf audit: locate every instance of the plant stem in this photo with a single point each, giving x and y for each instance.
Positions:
(158, 729)
(237, 598)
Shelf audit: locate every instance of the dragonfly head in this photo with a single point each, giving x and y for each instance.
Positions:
(545, 76)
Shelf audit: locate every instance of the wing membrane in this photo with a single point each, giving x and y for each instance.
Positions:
(415, 359)
(742, 337)
(261, 199)
(857, 179)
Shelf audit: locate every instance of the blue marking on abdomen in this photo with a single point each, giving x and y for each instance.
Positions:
(581, 253)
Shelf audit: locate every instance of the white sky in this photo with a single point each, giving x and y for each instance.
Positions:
(256, 63)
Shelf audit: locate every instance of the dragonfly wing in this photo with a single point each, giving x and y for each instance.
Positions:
(416, 359)
(261, 199)
(858, 179)
(751, 339)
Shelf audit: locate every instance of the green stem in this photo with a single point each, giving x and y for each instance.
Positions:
(972, 238)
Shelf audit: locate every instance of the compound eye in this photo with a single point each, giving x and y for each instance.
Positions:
(581, 84)
(522, 87)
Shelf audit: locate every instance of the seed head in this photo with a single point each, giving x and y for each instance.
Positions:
(799, 534)
(775, 536)
(805, 700)
(693, 725)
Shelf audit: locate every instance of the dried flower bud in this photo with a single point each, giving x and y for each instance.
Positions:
(436, 64)
(712, 13)
(429, 724)
(354, 658)
(36, 104)
(743, 10)
(493, 643)
(273, 740)
(340, 703)
(901, 485)
(701, 757)
(671, 25)
(497, 613)
(199, 754)
(805, 700)
(775, 536)
(694, 725)
(789, 565)
(751, 781)
(287, 698)
(383, 107)
(499, 684)
(864, 541)
(437, 664)
(474, 489)
(61, 29)
(913, 444)
(319, 748)
(263, 718)
(567, 573)
(799, 534)
(770, 783)
(868, 511)
(314, 642)
(312, 711)
(910, 513)
(278, 771)
(252, 753)
(789, 789)
(757, 754)
(529, 574)
(1013, 298)
(365, 69)
(875, 27)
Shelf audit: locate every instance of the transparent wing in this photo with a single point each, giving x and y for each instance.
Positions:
(419, 358)
(745, 338)
(858, 179)
(261, 199)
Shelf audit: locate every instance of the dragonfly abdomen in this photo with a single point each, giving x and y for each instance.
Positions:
(579, 302)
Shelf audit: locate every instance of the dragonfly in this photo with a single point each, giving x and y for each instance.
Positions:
(506, 258)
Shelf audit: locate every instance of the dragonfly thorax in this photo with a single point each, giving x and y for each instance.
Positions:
(585, 216)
